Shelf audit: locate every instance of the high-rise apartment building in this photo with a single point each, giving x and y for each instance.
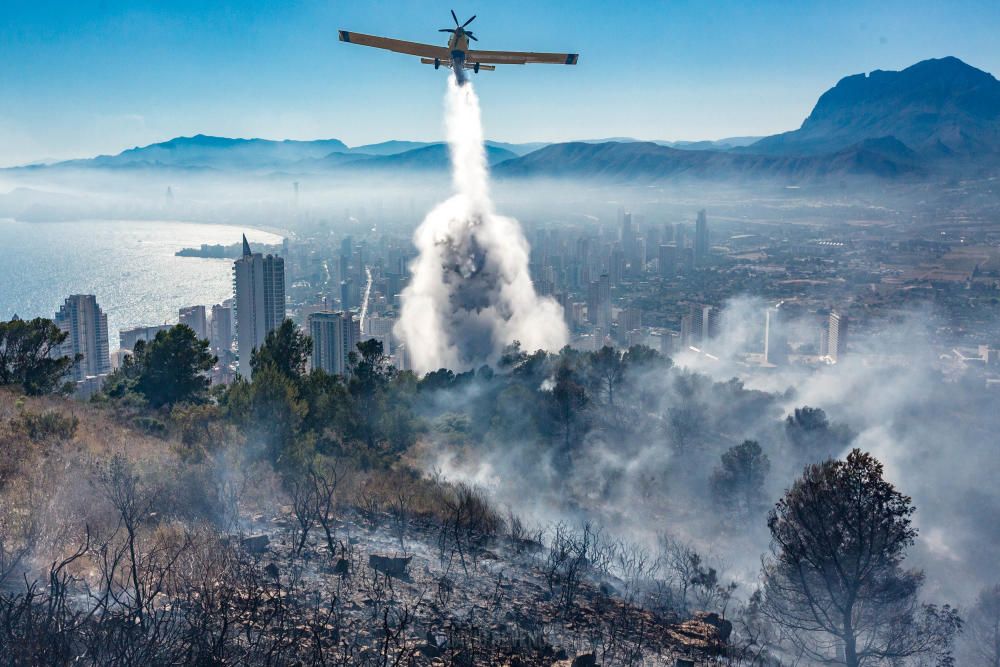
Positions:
(700, 325)
(334, 336)
(599, 303)
(347, 300)
(668, 260)
(221, 334)
(701, 240)
(653, 236)
(87, 328)
(194, 317)
(638, 265)
(380, 327)
(668, 234)
(837, 336)
(775, 338)
(127, 338)
(628, 238)
(259, 284)
(633, 318)
(616, 265)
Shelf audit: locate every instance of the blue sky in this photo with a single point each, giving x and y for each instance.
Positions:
(86, 77)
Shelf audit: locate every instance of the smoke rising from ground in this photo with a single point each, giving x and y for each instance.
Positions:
(471, 292)
(646, 465)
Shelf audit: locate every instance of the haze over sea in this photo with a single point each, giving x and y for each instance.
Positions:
(130, 266)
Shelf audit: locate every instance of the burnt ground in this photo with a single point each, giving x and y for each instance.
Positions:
(463, 598)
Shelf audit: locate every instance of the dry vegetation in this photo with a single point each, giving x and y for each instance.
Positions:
(128, 539)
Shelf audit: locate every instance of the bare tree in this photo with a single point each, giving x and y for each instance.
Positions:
(567, 559)
(400, 508)
(41, 626)
(121, 487)
(688, 581)
(468, 516)
(324, 478)
(304, 508)
(635, 567)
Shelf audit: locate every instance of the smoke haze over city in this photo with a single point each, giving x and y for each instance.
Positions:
(668, 335)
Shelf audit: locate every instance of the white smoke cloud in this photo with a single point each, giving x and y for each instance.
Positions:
(933, 428)
(471, 292)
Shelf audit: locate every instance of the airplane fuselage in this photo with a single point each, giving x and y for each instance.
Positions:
(458, 44)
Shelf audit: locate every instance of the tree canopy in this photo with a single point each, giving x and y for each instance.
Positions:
(738, 483)
(167, 370)
(813, 437)
(286, 348)
(29, 355)
(835, 578)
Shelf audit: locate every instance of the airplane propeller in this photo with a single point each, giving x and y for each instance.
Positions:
(460, 27)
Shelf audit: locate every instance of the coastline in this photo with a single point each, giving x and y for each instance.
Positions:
(130, 265)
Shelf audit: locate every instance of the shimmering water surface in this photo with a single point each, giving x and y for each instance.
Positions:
(130, 266)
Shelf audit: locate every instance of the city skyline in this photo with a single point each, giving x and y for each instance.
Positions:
(260, 69)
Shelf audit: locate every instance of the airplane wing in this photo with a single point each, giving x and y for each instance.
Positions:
(520, 58)
(397, 45)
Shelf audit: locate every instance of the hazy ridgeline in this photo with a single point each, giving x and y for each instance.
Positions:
(396, 200)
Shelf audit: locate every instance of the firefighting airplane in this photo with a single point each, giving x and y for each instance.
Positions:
(457, 55)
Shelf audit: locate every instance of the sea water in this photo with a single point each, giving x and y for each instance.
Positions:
(130, 266)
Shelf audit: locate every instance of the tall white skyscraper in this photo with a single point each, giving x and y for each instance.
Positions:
(837, 336)
(194, 317)
(259, 283)
(775, 340)
(628, 237)
(87, 326)
(334, 336)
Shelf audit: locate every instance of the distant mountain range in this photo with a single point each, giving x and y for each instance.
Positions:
(936, 117)
(936, 108)
(430, 156)
(207, 152)
(202, 152)
(648, 162)
(933, 117)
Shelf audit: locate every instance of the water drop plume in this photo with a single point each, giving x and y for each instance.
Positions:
(471, 292)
